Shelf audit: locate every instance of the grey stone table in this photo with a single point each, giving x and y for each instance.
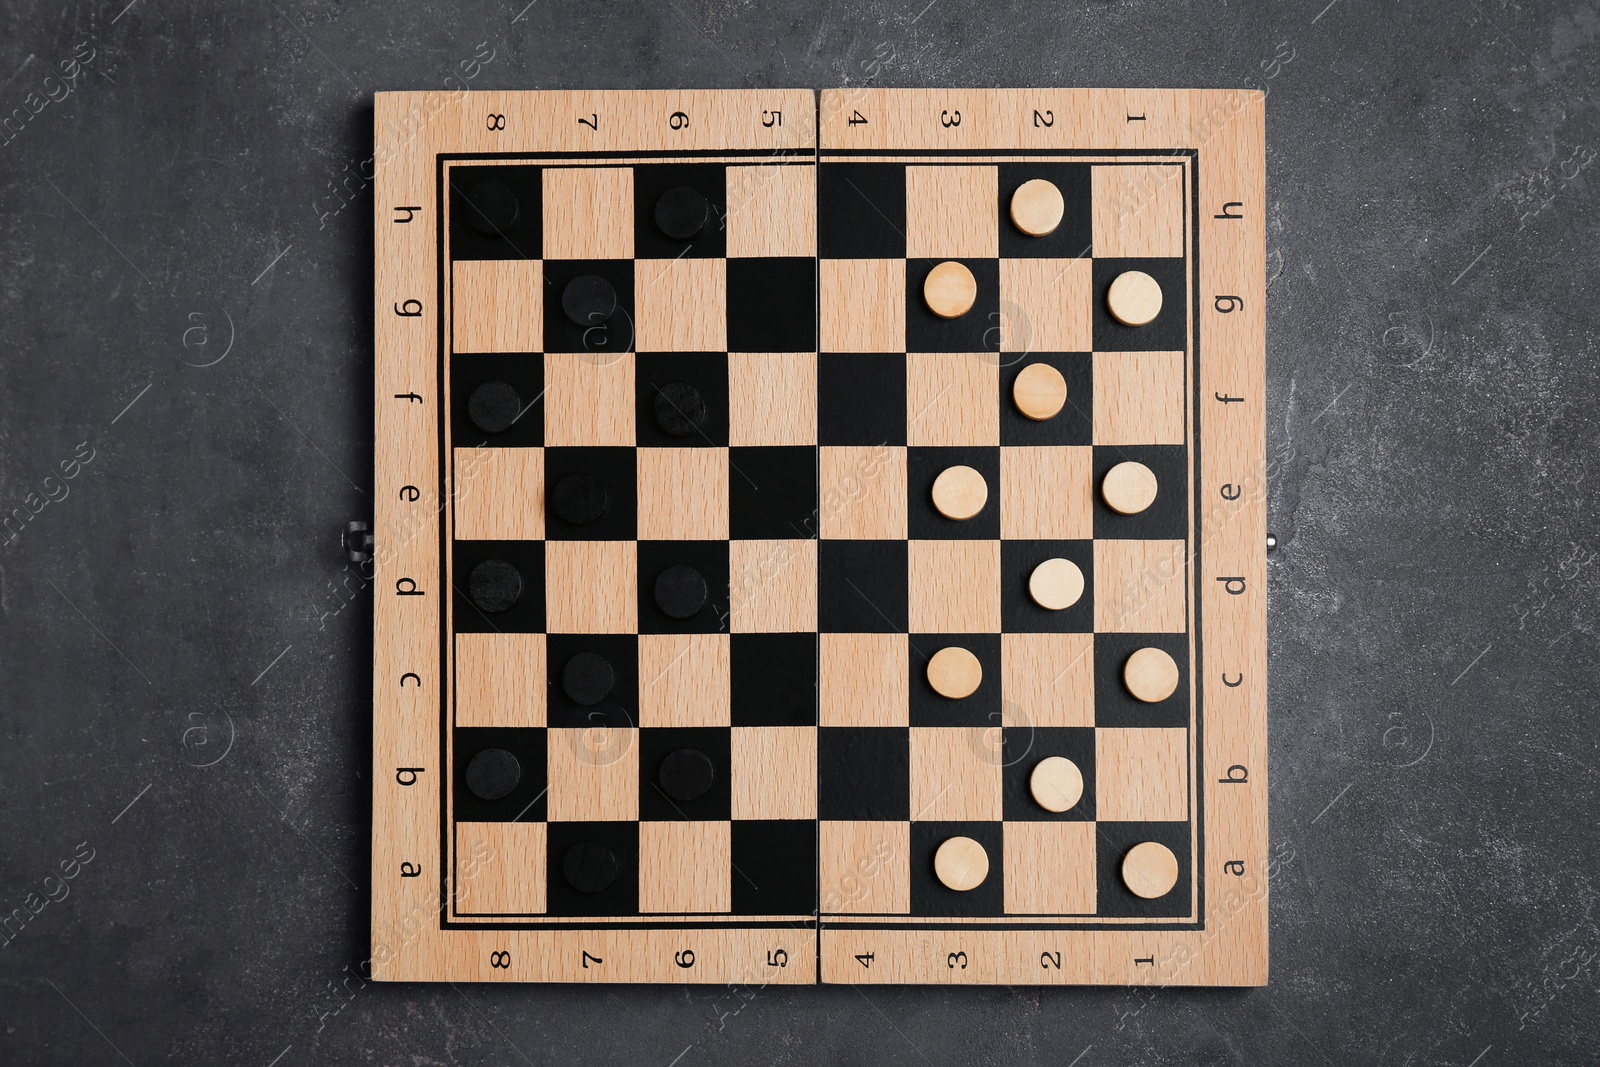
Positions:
(185, 423)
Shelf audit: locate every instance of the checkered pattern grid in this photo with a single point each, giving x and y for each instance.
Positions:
(732, 313)
(903, 395)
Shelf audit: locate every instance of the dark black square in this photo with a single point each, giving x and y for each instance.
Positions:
(861, 399)
(929, 896)
(707, 372)
(1019, 612)
(772, 492)
(1167, 518)
(620, 708)
(561, 334)
(976, 331)
(775, 869)
(526, 616)
(772, 304)
(774, 679)
(524, 372)
(863, 772)
(655, 745)
(710, 558)
(862, 587)
(1169, 331)
(622, 898)
(524, 240)
(1073, 425)
(861, 211)
(923, 467)
(1113, 841)
(929, 708)
(525, 803)
(613, 467)
(1114, 705)
(1070, 240)
(650, 181)
(1025, 747)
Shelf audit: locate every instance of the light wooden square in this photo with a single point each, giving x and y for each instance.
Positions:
(499, 868)
(865, 680)
(1047, 492)
(591, 587)
(1138, 398)
(955, 587)
(1141, 775)
(499, 494)
(952, 398)
(681, 305)
(1050, 868)
(772, 398)
(588, 212)
(772, 211)
(865, 867)
(955, 773)
(588, 398)
(1137, 211)
(593, 774)
(683, 494)
(1047, 305)
(773, 586)
(685, 867)
(1139, 586)
(497, 305)
(500, 679)
(774, 772)
(1048, 678)
(863, 305)
(684, 680)
(952, 212)
(862, 492)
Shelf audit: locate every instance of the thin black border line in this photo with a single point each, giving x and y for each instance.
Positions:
(975, 152)
(446, 684)
(816, 921)
(787, 157)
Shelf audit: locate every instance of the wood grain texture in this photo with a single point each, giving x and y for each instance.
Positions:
(772, 211)
(1048, 679)
(951, 398)
(1047, 305)
(865, 867)
(681, 305)
(1141, 774)
(1050, 868)
(955, 773)
(772, 586)
(588, 398)
(499, 305)
(1224, 128)
(500, 679)
(1139, 398)
(499, 494)
(500, 868)
(951, 212)
(1137, 211)
(593, 774)
(588, 213)
(861, 305)
(864, 680)
(682, 494)
(591, 587)
(772, 398)
(955, 587)
(684, 680)
(774, 772)
(1139, 586)
(684, 867)
(1045, 492)
(862, 492)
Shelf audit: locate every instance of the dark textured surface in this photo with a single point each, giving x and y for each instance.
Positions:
(189, 231)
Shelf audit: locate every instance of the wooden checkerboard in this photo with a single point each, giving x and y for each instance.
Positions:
(661, 402)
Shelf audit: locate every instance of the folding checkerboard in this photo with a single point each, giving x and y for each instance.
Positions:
(668, 597)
